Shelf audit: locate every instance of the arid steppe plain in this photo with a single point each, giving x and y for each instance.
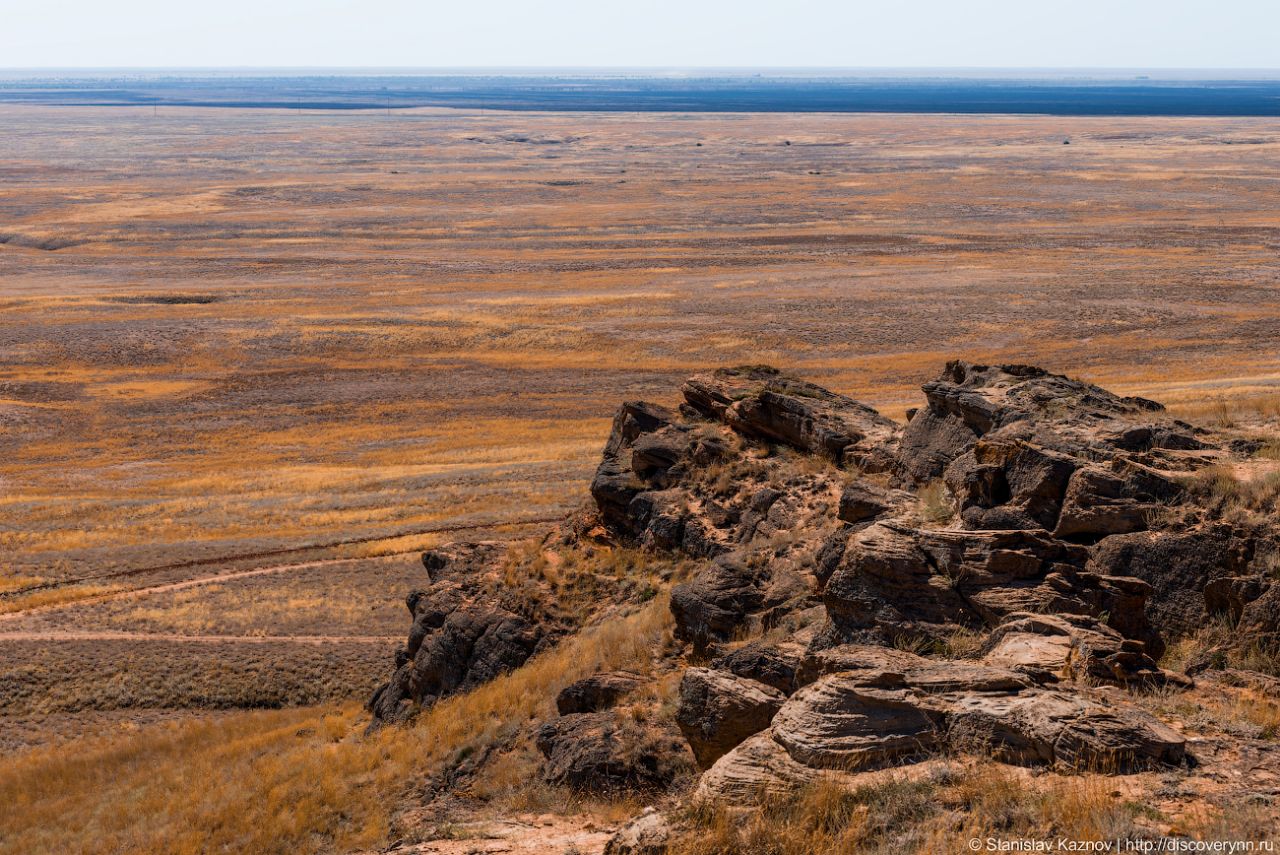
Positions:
(252, 362)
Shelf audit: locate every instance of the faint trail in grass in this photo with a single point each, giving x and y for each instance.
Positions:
(235, 574)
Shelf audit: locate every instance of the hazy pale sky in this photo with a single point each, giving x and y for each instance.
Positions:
(666, 33)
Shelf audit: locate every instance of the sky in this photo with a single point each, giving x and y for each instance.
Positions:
(1140, 34)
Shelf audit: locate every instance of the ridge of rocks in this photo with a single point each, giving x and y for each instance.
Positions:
(1020, 509)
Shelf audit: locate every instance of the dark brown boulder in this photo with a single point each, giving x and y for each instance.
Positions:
(597, 692)
(860, 502)
(616, 482)
(1100, 502)
(474, 644)
(774, 665)
(716, 602)
(1009, 484)
(462, 635)
(655, 455)
(890, 581)
(1253, 604)
(1178, 566)
(658, 517)
(600, 753)
(719, 710)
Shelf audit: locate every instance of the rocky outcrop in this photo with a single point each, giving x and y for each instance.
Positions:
(1179, 566)
(617, 482)
(1252, 604)
(1022, 448)
(765, 403)
(775, 665)
(830, 560)
(1055, 487)
(891, 580)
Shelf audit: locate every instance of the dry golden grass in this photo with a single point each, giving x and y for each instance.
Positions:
(388, 342)
(1233, 711)
(939, 813)
(356, 597)
(1219, 641)
(1225, 411)
(287, 781)
(42, 676)
(13, 583)
(53, 597)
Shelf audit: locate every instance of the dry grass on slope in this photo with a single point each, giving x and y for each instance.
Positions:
(285, 781)
(959, 802)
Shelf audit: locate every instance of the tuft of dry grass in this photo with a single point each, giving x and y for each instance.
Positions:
(1270, 449)
(1218, 641)
(935, 503)
(1237, 711)
(575, 583)
(14, 583)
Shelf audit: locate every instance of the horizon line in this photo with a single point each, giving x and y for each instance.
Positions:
(651, 68)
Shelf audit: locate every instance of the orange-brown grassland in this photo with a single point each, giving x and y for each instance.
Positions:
(254, 362)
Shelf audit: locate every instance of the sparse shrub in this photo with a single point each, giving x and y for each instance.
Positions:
(825, 817)
(962, 642)
(1220, 414)
(1224, 494)
(1216, 482)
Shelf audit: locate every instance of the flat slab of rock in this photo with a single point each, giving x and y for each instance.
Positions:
(1050, 647)
(761, 768)
(1042, 656)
